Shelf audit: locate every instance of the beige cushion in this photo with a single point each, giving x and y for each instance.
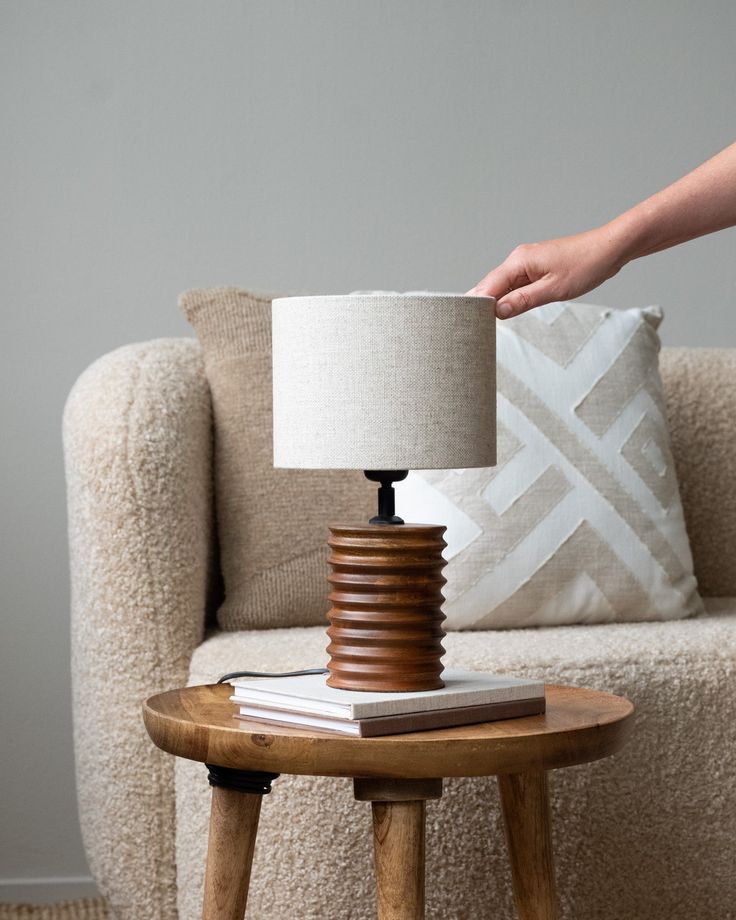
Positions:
(272, 524)
(581, 520)
(647, 833)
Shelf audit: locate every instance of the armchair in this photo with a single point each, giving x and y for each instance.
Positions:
(650, 833)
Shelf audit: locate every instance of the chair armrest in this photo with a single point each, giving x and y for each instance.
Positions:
(138, 457)
(700, 385)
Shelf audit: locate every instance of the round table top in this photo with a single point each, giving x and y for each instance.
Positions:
(580, 725)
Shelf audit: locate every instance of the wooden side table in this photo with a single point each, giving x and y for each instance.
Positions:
(397, 773)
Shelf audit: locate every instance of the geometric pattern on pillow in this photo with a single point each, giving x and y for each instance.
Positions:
(581, 520)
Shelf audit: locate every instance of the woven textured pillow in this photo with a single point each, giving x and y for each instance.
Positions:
(581, 519)
(272, 524)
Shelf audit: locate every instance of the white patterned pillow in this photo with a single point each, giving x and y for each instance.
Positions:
(581, 520)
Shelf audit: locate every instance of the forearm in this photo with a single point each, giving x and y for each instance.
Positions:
(534, 274)
(701, 202)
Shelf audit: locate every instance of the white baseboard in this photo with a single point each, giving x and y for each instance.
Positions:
(46, 890)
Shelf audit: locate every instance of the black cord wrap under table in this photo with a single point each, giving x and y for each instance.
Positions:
(251, 781)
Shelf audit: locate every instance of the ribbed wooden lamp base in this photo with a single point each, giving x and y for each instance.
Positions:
(386, 618)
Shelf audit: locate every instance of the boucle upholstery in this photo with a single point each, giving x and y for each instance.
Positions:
(137, 439)
(700, 384)
(137, 435)
(645, 835)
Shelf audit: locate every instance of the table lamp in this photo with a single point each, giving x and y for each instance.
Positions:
(384, 383)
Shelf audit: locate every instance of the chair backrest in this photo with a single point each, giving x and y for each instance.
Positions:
(700, 384)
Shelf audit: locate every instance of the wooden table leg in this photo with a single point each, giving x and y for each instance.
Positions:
(236, 807)
(398, 842)
(525, 806)
(232, 839)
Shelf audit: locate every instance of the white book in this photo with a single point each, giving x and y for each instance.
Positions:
(397, 724)
(310, 693)
(300, 720)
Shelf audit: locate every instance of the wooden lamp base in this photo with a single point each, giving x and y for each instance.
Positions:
(386, 617)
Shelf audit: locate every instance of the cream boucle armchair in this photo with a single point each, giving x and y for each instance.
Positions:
(648, 834)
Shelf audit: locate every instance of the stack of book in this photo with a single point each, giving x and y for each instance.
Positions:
(308, 702)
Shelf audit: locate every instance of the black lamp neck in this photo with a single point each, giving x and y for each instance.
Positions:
(386, 495)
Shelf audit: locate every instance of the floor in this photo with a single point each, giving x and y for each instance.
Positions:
(94, 909)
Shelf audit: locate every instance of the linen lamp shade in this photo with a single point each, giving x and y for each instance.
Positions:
(384, 381)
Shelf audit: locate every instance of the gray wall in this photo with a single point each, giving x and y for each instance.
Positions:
(148, 147)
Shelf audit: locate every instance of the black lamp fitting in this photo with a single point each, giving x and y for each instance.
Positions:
(386, 495)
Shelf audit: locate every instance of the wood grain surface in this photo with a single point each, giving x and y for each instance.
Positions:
(525, 806)
(398, 854)
(386, 616)
(399, 828)
(580, 725)
(232, 839)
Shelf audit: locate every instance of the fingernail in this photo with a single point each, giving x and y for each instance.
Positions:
(504, 310)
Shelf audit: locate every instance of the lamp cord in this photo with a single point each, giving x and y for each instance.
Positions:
(233, 674)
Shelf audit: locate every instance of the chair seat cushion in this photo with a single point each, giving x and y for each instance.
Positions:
(556, 654)
(646, 833)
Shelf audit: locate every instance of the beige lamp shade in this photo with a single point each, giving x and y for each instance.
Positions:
(384, 381)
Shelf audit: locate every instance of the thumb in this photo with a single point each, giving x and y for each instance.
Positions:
(523, 299)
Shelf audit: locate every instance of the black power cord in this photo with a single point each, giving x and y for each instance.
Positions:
(233, 674)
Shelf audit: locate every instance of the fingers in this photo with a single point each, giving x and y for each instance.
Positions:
(513, 296)
(521, 282)
(522, 299)
(497, 282)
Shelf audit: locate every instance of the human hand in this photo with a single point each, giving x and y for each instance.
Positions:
(538, 273)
